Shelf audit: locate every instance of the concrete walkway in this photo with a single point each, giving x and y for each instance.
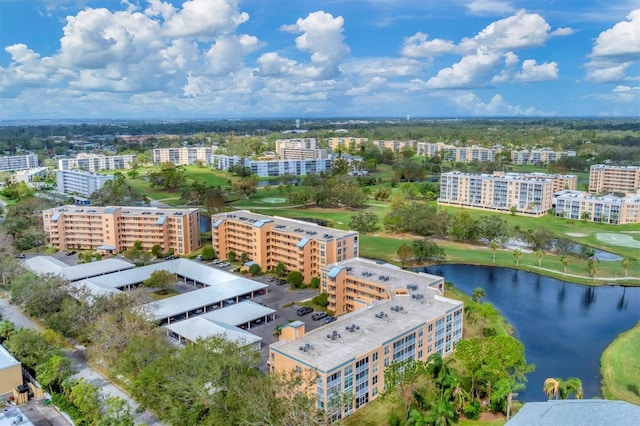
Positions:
(587, 277)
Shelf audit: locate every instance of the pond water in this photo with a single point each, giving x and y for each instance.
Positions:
(564, 327)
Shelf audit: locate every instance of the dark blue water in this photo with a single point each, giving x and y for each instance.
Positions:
(564, 327)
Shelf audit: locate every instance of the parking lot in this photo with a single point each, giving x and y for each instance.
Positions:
(284, 300)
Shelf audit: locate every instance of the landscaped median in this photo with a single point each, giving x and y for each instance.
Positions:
(620, 367)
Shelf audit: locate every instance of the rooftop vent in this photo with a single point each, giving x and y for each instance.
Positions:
(353, 327)
(381, 315)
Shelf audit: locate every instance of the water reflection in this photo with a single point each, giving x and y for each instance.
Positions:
(564, 337)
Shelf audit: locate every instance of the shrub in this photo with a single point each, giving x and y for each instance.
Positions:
(472, 411)
(489, 331)
(254, 269)
(315, 282)
(295, 278)
(322, 300)
(208, 253)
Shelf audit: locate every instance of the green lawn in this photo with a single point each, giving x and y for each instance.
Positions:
(620, 367)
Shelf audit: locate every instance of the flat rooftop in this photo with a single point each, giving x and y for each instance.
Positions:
(509, 177)
(6, 359)
(124, 210)
(285, 225)
(585, 196)
(333, 345)
(391, 276)
(51, 265)
(201, 328)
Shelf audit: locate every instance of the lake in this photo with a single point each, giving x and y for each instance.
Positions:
(565, 327)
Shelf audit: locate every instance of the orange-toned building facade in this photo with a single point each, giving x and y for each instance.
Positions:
(346, 359)
(267, 240)
(114, 229)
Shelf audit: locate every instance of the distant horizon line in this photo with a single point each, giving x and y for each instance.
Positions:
(315, 119)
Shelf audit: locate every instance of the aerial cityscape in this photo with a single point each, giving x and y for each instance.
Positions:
(351, 213)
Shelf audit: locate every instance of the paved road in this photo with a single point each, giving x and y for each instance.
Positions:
(107, 388)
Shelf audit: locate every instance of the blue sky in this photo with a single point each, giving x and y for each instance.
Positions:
(333, 58)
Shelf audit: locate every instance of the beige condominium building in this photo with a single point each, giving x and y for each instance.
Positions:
(116, 228)
(605, 209)
(348, 357)
(346, 143)
(185, 156)
(267, 240)
(607, 179)
(430, 149)
(528, 194)
(539, 156)
(467, 154)
(395, 146)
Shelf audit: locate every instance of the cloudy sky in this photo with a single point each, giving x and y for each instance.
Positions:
(331, 58)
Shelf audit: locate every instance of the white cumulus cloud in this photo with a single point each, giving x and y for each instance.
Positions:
(615, 51)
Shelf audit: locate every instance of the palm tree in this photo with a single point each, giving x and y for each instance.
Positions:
(517, 253)
(592, 265)
(625, 264)
(561, 389)
(478, 294)
(540, 254)
(551, 387)
(585, 216)
(494, 246)
(565, 261)
(442, 413)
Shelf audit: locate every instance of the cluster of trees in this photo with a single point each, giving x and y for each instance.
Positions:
(211, 381)
(167, 176)
(327, 191)
(118, 192)
(480, 375)
(17, 191)
(23, 222)
(44, 356)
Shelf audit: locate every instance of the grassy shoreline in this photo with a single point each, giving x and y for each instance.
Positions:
(620, 367)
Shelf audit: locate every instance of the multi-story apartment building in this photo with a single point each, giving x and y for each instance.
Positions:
(345, 144)
(28, 176)
(604, 179)
(352, 283)
(560, 182)
(605, 209)
(539, 156)
(430, 149)
(395, 146)
(186, 156)
(96, 163)
(267, 240)
(298, 143)
(467, 154)
(14, 163)
(271, 168)
(348, 357)
(78, 182)
(114, 229)
(528, 195)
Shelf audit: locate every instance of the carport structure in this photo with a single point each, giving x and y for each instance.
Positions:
(200, 328)
(244, 315)
(81, 271)
(193, 303)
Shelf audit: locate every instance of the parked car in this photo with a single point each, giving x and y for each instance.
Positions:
(304, 310)
(229, 302)
(21, 256)
(71, 253)
(327, 320)
(199, 257)
(318, 315)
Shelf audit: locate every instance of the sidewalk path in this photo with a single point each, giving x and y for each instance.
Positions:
(12, 313)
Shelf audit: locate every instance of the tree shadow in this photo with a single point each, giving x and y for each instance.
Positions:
(634, 389)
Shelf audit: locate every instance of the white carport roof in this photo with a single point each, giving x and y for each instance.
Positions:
(189, 269)
(94, 289)
(51, 265)
(240, 313)
(176, 305)
(198, 327)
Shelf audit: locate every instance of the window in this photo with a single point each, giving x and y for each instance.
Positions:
(375, 380)
(375, 356)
